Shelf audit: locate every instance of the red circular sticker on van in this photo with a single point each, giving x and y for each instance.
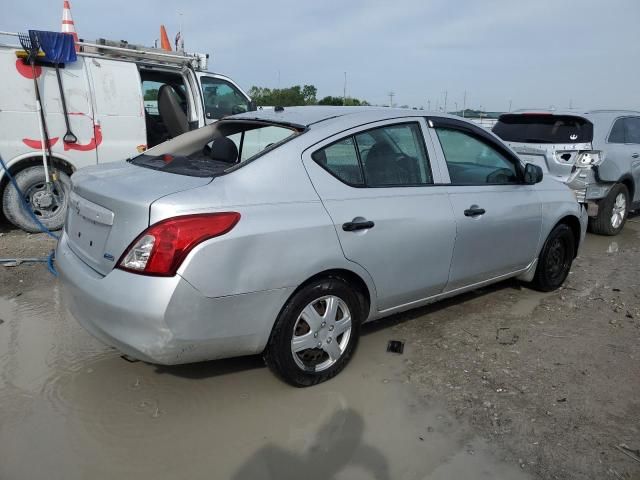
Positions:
(26, 71)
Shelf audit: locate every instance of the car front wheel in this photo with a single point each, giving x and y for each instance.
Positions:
(554, 262)
(316, 333)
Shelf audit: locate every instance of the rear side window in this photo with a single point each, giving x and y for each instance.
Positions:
(633, 130)
(617, 134)
(543, 128)
(389, 156)
(473, 162)
(341, 160)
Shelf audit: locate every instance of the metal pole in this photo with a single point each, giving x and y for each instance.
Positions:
(464, 104)
(344, 91)
(445, 101)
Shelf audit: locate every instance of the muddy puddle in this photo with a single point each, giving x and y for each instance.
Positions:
(72, 408)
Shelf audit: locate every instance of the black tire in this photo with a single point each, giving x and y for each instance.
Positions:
(603, 223)
(278, 354)
(556, 257)
(32, 181)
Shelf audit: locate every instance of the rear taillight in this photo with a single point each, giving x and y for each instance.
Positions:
(589, 158)
(161, 249)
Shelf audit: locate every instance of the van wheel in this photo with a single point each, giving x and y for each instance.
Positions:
(48, 203)
(554, 262)
(612, 212)
(316, 333)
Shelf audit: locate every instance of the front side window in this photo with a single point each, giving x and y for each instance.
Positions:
(473, 162)
(221, 98)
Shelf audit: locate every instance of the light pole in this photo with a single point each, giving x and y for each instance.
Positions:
(344, 91)
(391, 95)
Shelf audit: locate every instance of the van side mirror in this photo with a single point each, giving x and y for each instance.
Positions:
(252, 106)
(532, 174)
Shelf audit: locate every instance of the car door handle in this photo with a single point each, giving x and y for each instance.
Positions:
(474, 211)
(361, 225)
(635, 155)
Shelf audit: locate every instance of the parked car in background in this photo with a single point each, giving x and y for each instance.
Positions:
(121, 99)
(195, 250)
(596, 153)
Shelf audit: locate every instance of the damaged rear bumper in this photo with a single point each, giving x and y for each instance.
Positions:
(165, 320)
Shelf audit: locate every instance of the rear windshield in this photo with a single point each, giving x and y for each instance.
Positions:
(215, 149)
(536, 128)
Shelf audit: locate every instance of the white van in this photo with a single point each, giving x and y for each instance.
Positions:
(121, 99)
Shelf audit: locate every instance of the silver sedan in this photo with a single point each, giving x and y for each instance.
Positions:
(282, 232)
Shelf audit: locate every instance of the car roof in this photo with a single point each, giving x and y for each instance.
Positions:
(307, 116)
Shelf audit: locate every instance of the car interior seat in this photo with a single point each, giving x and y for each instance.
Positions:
(171, 112)
(224, 149)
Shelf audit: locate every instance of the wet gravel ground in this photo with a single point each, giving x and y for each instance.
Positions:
(503, 382)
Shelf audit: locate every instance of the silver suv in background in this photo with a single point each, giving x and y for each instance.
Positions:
(597, 153)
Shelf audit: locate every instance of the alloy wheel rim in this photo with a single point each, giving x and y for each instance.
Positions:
(321, 333)
(619, 210)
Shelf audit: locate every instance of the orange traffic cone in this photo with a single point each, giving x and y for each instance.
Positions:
(67, 23)
(164, 39)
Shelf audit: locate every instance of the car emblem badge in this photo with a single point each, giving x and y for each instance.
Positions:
(573, 136)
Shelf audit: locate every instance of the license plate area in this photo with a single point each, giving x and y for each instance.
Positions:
(88, 226)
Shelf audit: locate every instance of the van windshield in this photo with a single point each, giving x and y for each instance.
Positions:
(543, 128)
(213, 150)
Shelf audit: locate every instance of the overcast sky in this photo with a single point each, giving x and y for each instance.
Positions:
(534, 53)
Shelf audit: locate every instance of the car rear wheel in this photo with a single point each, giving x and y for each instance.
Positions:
(316, 333)
(612, 212)
(554, 262)
(47, 202)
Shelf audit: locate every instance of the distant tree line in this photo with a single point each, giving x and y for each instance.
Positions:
(297, 95)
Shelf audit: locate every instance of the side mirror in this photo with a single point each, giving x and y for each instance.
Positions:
(532, 174)
(252, 106)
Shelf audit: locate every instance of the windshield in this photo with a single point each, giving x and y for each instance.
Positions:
(544, 128)
(212, 150)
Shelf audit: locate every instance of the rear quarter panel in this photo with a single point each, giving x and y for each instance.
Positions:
(284, 236)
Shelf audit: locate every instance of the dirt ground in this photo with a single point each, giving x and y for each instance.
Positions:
(503, 382)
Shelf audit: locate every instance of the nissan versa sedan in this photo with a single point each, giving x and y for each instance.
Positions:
(282, 232)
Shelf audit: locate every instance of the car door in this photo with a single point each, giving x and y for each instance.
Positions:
(119, 109)
(379, 187)
(221, 98)
(623, 151)
(498, 218)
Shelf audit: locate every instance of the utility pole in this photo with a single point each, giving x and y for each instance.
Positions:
(445, 101)
(464, 104)
(456, 105)
(278, 79)
(428, 105)
(391, 95)
(344, 91)
(510, 105)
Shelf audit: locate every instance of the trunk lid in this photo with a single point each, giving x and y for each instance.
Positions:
(556, 160)
(109, 207)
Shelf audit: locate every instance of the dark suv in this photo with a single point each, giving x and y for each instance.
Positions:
(597, 153)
